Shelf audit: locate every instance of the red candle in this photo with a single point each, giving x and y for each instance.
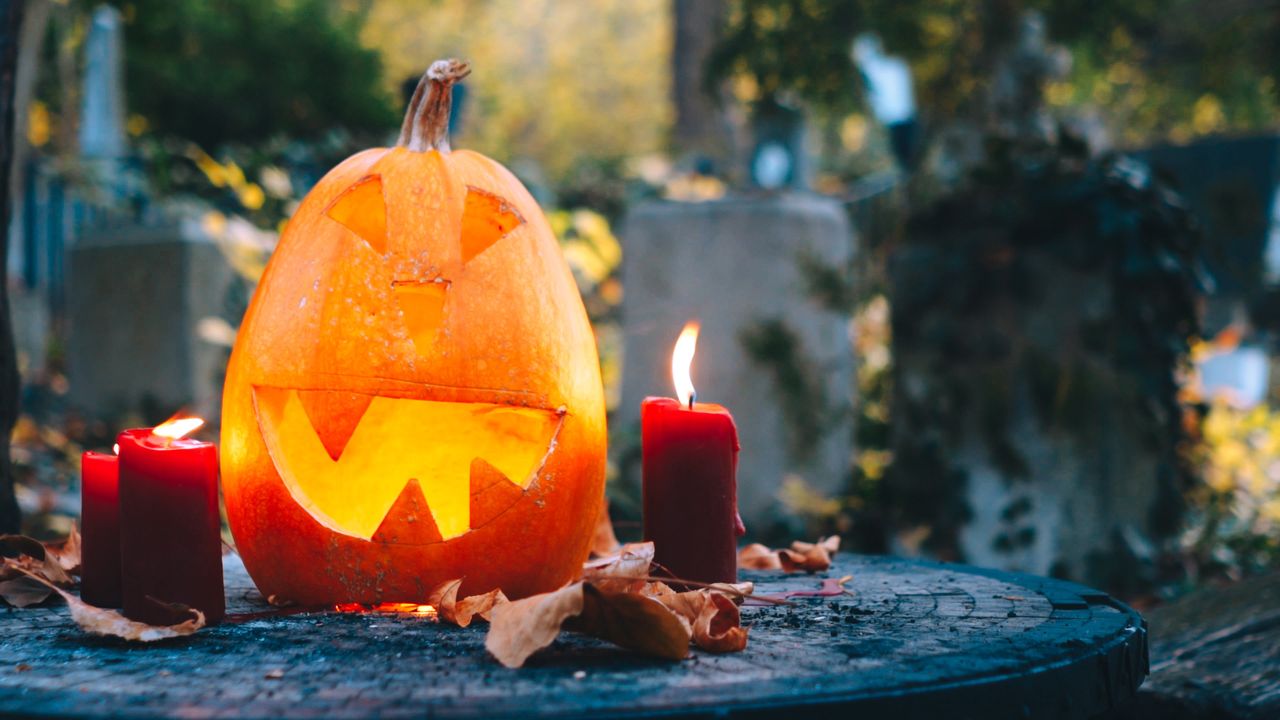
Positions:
(690, 463)
(100, 525)
(170, 539)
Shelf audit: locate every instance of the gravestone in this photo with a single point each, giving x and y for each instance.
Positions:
(136, 296)
(733, 264)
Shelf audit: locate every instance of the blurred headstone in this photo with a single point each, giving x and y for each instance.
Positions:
(734, 264)
(136, 299)
(778, 157)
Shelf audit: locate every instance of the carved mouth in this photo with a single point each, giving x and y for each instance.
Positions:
(390, 467)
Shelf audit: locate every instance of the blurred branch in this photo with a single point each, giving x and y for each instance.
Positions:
(11, 14)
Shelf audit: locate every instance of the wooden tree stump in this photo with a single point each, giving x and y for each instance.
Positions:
(912, 639)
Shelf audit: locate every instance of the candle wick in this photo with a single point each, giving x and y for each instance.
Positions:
(693, 395)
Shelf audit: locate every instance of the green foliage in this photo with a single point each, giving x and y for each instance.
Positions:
(242, 71)
(1159, 67)
(794, 46)
(1077, 279)
(774, 346)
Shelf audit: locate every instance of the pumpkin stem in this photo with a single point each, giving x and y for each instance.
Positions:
(426, 122)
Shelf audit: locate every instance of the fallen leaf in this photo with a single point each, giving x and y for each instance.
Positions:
(604, 541)
(460, 612)
(24, 592)
(67, 553)
(26, 558)
(719, 625)
(623, 571)
(110, 623)
(275, 674)
(758, 557)
(737, 592)
(830, 588)
(520, 628)
(801, 556)
(809, 557)
(631, 621)
(711, 627)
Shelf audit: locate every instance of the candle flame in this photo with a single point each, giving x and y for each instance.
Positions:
(177, 427)
(116, 448)
(682, 359)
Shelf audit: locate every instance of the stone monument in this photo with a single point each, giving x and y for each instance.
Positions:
(137, 287)
(733, 264)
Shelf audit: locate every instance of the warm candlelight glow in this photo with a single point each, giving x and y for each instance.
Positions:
(116, 448)
(390, 608)
(681, 359)
(178, 427)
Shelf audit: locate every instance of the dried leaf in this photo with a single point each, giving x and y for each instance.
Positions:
(712, 627)
(23, 592)
(24, 559)
(110, 623)
(520, 628)
(274, 674)
(758, 557)
(631, 621)
(461, 612)
(624, 571)
(605, 541)
(719, 625)
(809, 557)
(802, 556)
(737, 592)
(830, 588)
(480, 606)
(67, 553)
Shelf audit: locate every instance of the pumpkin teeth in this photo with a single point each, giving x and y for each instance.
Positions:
(403, 460)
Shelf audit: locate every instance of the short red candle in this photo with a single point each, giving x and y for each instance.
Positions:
(170, 539)
(690, 463)
(100, 529)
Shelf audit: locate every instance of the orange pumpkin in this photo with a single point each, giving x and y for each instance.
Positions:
(414, 394)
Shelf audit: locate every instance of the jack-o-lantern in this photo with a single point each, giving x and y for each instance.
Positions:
(414, 393)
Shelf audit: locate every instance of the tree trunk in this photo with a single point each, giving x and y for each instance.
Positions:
(699, 128)
(11, 12)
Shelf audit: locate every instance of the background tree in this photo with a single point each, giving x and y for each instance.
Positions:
(242, 71)
(698, 128)
(1167, 68)
(11, 12)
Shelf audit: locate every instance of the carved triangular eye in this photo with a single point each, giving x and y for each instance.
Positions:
(362, 210)
(485, 219)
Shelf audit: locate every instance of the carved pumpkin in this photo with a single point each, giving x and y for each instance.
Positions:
(414, 394)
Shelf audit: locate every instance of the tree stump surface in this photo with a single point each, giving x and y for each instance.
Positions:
(910, 639)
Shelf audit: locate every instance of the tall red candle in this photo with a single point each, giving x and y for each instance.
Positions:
(690, 462)
(170, 539)
(100, 528)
